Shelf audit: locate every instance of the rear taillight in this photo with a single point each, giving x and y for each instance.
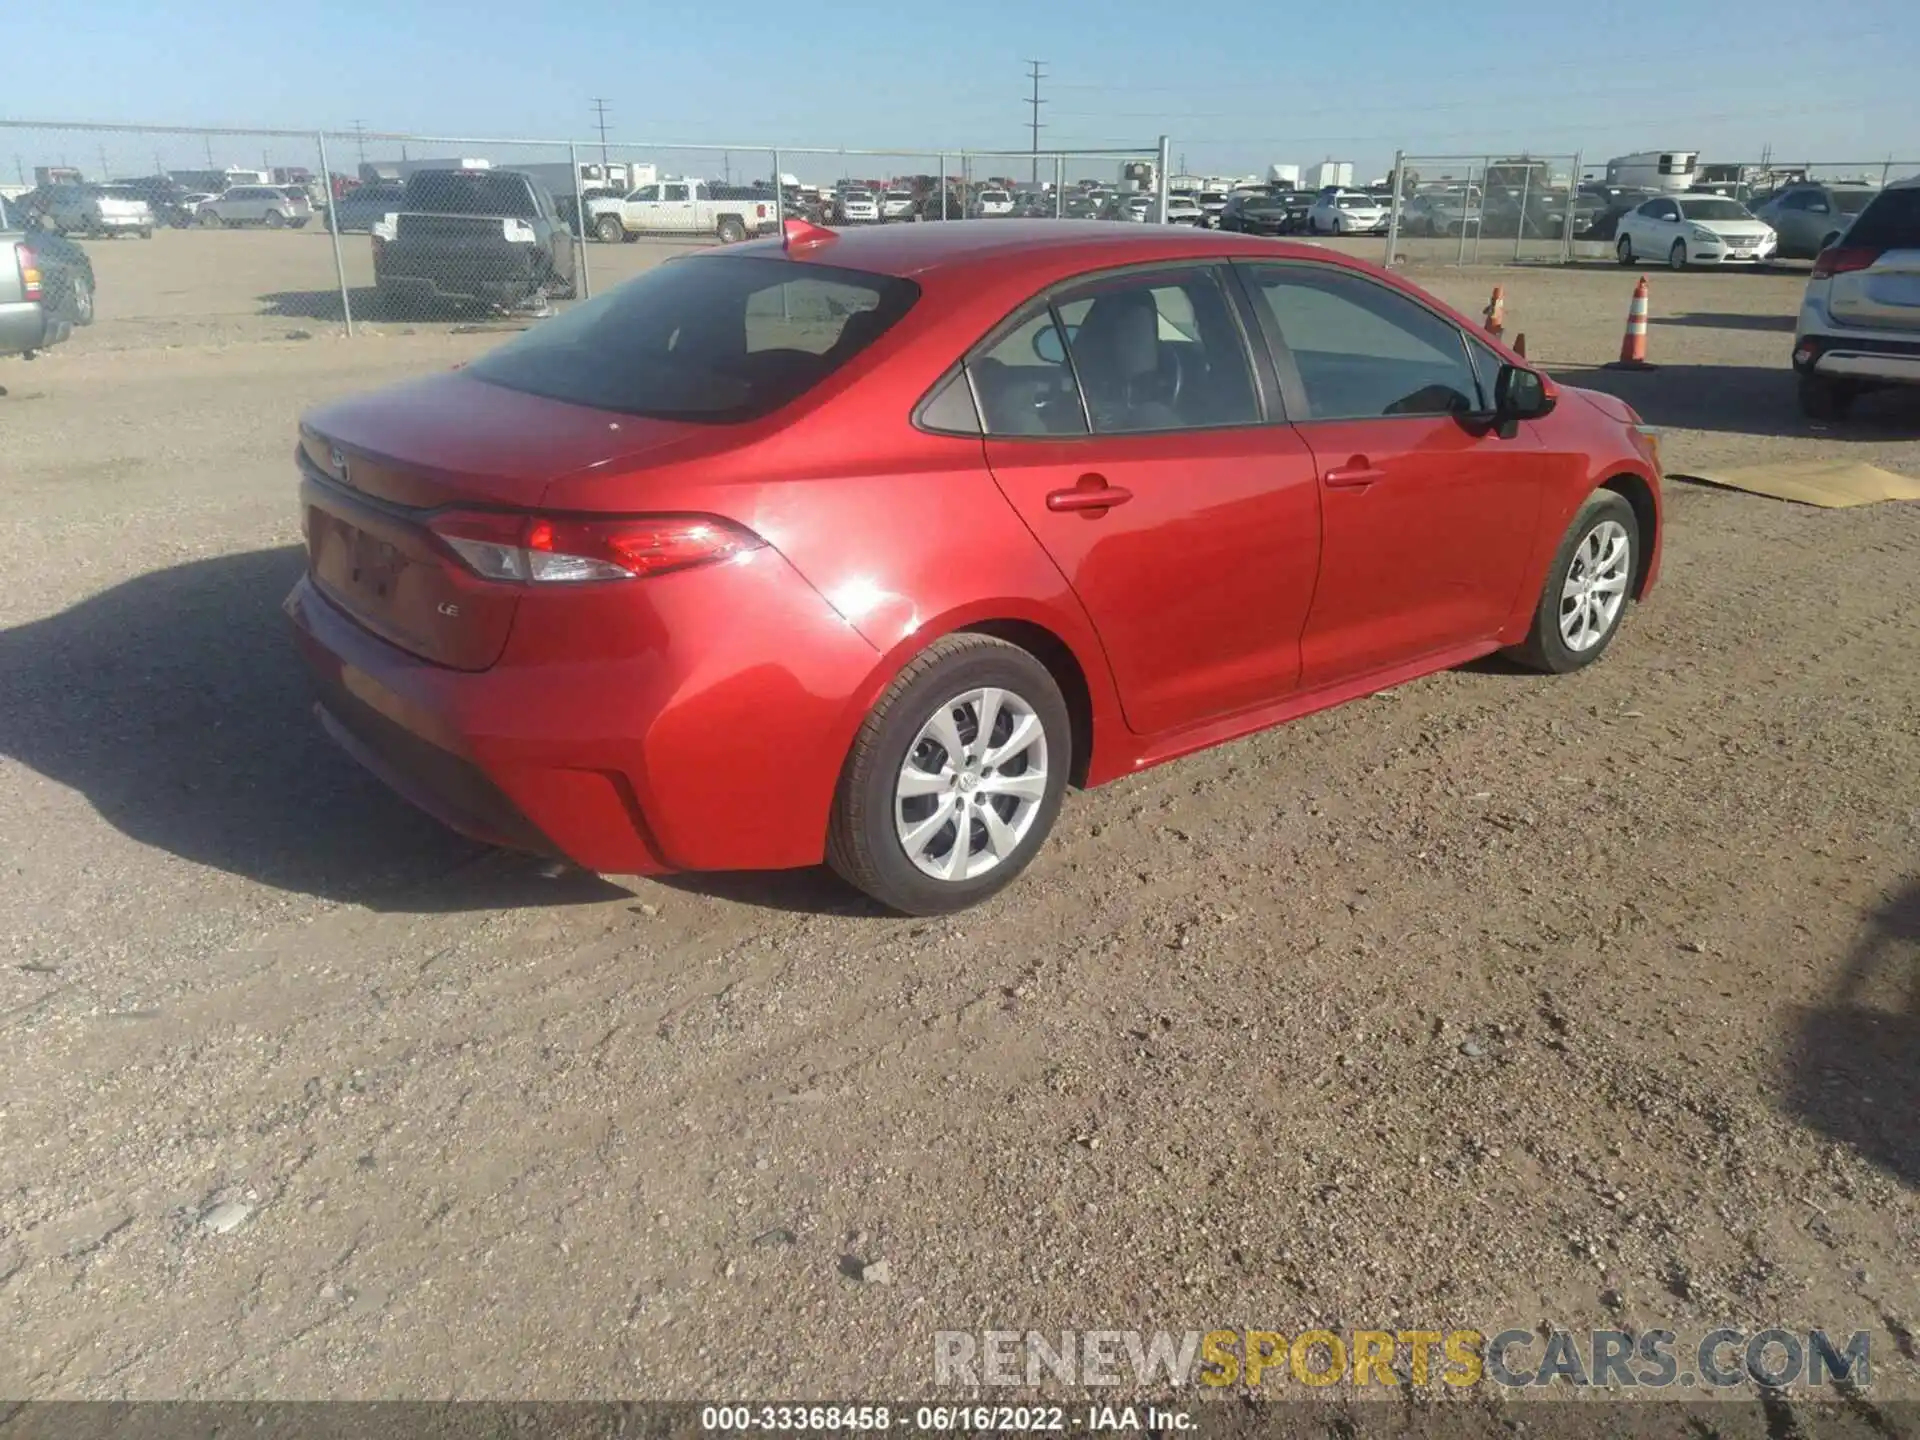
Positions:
(1843, 260)
(554, 549)
(29, 264)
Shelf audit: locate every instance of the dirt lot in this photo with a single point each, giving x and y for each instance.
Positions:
(1493, 1000)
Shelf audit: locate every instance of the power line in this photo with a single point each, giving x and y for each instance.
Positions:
(1036, 74)
(600, 119)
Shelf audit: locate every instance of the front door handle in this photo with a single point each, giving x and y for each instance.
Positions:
(1092, 493)
(1356, 474)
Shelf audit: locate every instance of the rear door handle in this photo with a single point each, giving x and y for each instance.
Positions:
(1356, 475)
(1092, 493)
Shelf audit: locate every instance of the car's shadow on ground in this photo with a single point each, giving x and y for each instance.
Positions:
(1717, 320)
(1743, 399)
(176, 704)
(1853, 1068)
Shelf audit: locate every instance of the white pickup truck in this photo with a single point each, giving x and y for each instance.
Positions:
(683, 207)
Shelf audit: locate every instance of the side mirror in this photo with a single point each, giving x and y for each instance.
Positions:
(1518, 395)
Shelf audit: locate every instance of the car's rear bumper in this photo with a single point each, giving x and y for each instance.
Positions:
(595, 739)
(1855, 356)
(26, 326)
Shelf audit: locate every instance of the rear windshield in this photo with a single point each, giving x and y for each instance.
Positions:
(1891, 222)
(1714, 210)
(470, 192)
(720, 339)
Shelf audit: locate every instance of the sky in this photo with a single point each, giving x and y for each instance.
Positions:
(1235, 84)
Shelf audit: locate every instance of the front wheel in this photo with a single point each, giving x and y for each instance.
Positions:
(1585, 595)
(1623, 251)
(209, 220)
(146, 234)
(1677, 257)
(955, 779)
(275, 220)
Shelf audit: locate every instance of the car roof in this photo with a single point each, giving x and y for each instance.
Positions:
(956, 245)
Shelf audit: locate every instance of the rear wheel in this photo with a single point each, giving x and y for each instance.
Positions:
(146, 234)
(609, 229)
(1624, 250)
(275, 220)
(731, 231)
(1677, 256)
(955, 779)
(209, 220)
(1585, 595)
(1828, 242)
(1824, 398)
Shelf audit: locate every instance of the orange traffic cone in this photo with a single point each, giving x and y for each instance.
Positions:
(1496, 312)
(1520, 344)
(1633, 345)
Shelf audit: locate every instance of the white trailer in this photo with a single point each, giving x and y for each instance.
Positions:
(1285, 177)
(1330, 173)
(1658, 170)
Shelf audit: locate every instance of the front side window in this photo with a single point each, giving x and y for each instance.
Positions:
(646, 192)
(1363, 351)
(1159, 352)
(720, 339)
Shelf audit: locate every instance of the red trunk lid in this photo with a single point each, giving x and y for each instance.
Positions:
(376, 468)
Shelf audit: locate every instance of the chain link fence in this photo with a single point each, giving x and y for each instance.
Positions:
(206, 234)
(1484, 209)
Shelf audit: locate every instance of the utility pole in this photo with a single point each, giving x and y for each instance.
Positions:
(1036, 74)
(106, 170)
(209, 140)
(600, 119)
(360, 139)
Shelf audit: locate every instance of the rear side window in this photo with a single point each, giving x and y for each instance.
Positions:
(1852, 202)
(718, 339)
(1891, 222)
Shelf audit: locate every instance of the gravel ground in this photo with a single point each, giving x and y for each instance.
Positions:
(1492, 1000)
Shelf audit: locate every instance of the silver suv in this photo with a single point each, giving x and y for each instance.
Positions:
(92, 210)
(1859, 324)
(268, 205)
(1809, 217)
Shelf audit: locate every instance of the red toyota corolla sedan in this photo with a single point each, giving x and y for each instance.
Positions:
(864, 546)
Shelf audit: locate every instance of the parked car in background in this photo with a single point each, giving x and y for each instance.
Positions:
(628, 589)
(567, 205)
(1859, 326)
(1212, 203)
(1259, 212)
(896, 205)
(165, 197)
(367, 205)
(1078, 205)
(190, 203)
(101, 210)
(487, 237)
(685, 207)
(1347, 212)
(1690, 229)
(273, 206)
(992, 204)
(1435, 213)
(1812, 217)
(1184, 210)
(858, 206)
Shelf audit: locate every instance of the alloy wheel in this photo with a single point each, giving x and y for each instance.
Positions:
(972, 784)
(1596, 585)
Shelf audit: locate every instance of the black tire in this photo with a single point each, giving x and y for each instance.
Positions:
(863, 844)
(1545, 648)
(1677, 256)
(207, 220)
(146, 234)
(609, 229)
(80, 300)
(1824, 398)
(730, 230)
(274, 220)
(1623, 250)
